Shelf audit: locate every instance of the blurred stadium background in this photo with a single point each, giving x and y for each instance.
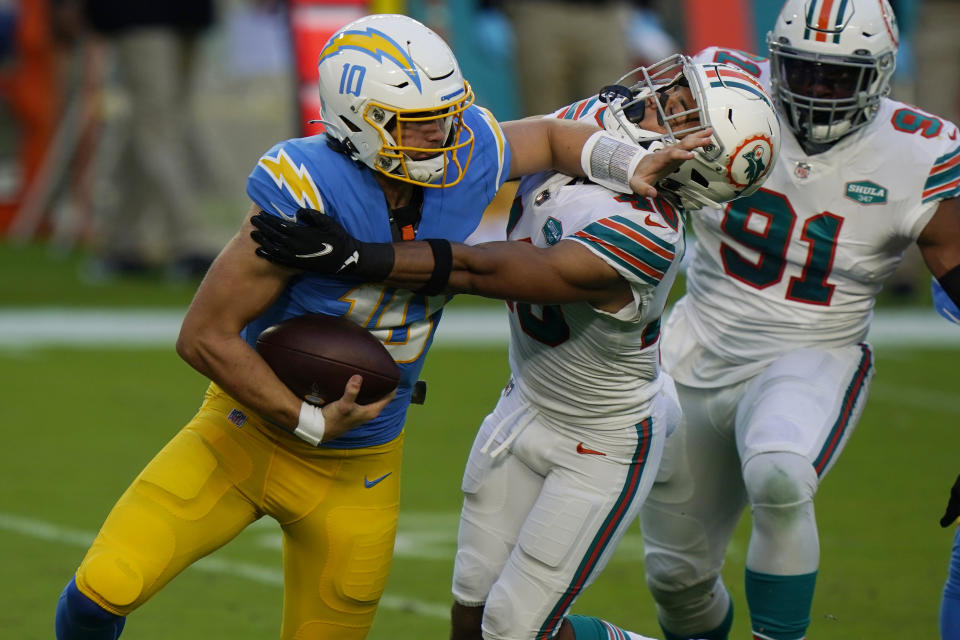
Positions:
(90, 386)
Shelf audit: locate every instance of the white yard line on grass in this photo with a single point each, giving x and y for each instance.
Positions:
(40, 530)
(122, 328)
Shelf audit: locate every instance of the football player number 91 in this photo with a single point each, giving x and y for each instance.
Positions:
(819, 232)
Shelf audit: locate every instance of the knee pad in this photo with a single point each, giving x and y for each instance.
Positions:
(779, 479)
(361, 543)
(112, 578)
(472, 578)
(783, 541)
(677, 551)
(499, 616)
(693, 608)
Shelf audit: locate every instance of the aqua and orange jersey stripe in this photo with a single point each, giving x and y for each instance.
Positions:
(630, 245)
(600, 542)
(584, 106)
(641, 269)
(613, 633)
(575, 110)
(599, 115)
(944, 177)
(639, 235)
(854, 390)
(947, 190)
(563, 114)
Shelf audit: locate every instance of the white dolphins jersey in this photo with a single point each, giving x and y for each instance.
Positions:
(800, 262)
(582, 366)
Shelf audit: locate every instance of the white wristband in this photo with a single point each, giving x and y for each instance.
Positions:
(610, 161)
(312, 423)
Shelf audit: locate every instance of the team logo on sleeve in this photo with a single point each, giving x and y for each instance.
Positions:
(295, 178)
(750, 161)
(866, 192)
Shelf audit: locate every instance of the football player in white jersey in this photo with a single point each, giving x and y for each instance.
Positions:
(406, 153)
(559, 469)
(767, 346)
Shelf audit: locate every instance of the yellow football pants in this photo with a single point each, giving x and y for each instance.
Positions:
(224, 470)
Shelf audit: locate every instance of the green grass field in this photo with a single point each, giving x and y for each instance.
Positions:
(79, 423)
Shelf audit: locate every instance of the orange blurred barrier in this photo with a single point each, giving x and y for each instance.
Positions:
(30, 94)
(311, 24)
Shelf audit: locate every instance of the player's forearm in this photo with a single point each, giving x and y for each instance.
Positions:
(506, 270)
(231, 363)
(413, 264)
(480, 269)
(547, 143)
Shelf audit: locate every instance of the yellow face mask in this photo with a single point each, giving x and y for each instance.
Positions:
(427, 148)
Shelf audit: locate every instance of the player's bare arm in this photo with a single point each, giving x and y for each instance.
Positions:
(548, 143)
(939, 244)
(539, 144)
(563, 273)
(238, 288)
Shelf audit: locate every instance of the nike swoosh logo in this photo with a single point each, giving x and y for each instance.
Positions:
(375, 481)
(653, 223)
(283, 215)
(354, 258)
(325, 248)
(584, 450)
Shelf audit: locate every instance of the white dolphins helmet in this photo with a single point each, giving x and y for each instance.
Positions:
(830, 63)
(746, 132)
(382, 72)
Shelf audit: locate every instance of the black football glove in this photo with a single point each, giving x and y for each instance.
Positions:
(318, 243)
(953, 505)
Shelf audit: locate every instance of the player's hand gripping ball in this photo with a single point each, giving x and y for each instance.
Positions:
(315, 355)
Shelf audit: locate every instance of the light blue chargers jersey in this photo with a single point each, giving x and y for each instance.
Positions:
(306, 172)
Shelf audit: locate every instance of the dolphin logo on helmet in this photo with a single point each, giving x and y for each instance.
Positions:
(746, 132)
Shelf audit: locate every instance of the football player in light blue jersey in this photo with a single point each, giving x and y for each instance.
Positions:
(406, 154)
(561, 466)
(942, 302)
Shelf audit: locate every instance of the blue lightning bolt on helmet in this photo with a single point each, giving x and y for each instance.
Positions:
(830, 63)
(383, 74)
(746, 132)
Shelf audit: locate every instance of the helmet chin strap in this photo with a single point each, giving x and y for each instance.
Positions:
(429, 170)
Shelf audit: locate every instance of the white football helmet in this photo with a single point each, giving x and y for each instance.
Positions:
(383, 73)
(830, 63)
(746, 132)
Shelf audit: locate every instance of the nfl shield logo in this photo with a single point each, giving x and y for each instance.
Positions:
(237, 417)
(552, 231)
(802, 170)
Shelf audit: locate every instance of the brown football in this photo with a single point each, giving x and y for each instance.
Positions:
(315, 355)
